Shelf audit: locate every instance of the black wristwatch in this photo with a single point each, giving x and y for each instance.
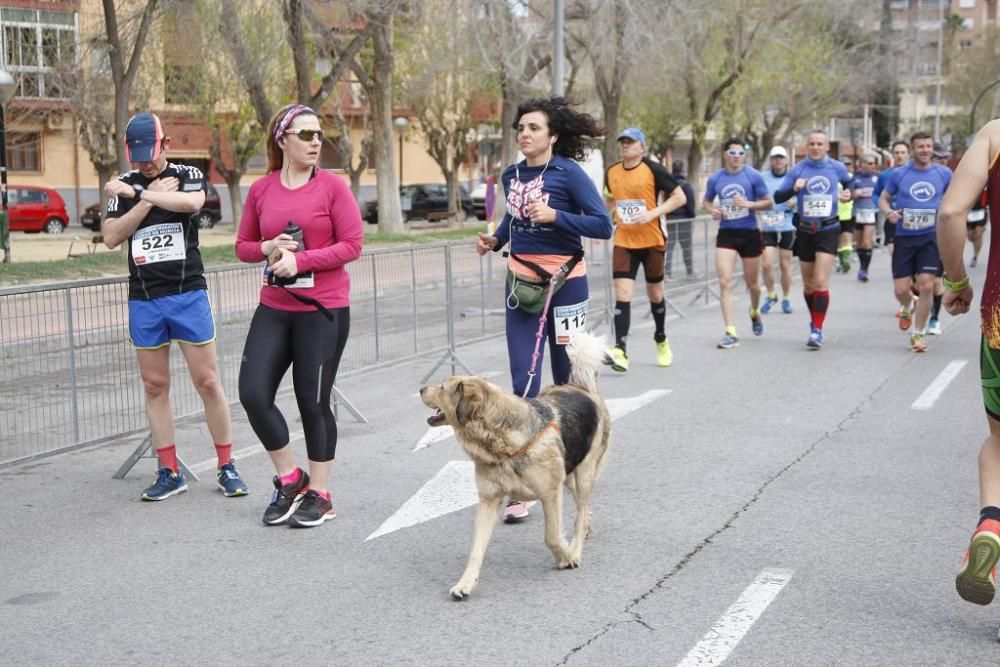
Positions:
(137, 193)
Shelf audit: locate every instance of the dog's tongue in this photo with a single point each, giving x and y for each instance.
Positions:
(436, 419)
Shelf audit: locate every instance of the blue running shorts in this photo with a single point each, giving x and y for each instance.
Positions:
(185, 318)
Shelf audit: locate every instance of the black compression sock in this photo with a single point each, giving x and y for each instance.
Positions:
(936, 308)
(989, 512)
(659, 314)
(623, 320)
(865, 255)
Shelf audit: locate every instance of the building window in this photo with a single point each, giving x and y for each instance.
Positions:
(965, 44)
(38, 48)
(24, 150)
(967, 4)
(969, 24)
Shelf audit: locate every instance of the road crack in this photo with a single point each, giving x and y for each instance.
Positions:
(636, 617)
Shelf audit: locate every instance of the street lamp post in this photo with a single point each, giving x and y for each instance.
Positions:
(401, 123)
(7, 87)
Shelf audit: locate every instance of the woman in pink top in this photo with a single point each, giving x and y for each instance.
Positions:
(306, 223)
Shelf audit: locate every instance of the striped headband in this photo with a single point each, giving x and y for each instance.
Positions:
(293, 111)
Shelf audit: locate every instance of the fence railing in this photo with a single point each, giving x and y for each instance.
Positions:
(69, 377)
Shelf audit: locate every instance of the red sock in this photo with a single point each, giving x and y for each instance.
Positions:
(168, 457)
(224, 452)
(324, 494)
(290, 478)
(821, 301)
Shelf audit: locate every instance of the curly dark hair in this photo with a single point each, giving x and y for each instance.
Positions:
(573, 128)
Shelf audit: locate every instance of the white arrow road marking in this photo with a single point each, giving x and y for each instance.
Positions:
(437, 497)
(436, 434)
(731, 627)
(617, 407)
(933, 392)
(451, 489)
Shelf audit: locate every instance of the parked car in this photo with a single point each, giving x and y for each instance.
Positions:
(479, 200)
(35, 209)
(210, 213)
(422, 200)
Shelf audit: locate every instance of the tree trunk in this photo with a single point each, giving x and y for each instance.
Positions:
(508, 136)
(695, 151)
(390, 214)
(235, 199)
(611, 107)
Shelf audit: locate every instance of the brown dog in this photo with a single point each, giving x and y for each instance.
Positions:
(528, 448)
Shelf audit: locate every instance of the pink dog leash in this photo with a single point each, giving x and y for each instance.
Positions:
(542, 319)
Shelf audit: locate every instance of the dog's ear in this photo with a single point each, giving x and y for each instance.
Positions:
(468, 402)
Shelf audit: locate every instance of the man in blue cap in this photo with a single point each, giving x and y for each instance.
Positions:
(635, 186)
(150, 209)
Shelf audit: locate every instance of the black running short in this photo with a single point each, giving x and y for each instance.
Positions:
(807, 245)
(783, 240)
(626, 261)
(747, 242)
(847, 226)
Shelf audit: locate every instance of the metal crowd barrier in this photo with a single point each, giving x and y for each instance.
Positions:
(69, 377)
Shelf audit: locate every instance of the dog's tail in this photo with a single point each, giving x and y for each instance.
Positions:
(586, 356)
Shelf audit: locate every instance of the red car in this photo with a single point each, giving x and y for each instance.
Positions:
(36, 209)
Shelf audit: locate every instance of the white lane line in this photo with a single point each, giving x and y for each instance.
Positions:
(933, 392)
(731, 627)
(246, 452)
(617, 408)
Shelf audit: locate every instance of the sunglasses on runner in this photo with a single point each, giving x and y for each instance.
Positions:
(735, 153)
(306, 135)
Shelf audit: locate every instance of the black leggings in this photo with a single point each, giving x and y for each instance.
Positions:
(312, 345)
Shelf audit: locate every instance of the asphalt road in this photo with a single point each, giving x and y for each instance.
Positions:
(777, 506)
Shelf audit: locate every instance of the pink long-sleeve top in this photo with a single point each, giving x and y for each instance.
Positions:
(327, 213)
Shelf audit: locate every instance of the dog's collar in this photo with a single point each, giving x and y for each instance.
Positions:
(538, 436)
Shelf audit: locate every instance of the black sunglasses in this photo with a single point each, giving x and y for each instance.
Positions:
(306, 135)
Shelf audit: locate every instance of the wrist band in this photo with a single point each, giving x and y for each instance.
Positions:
(955, 285)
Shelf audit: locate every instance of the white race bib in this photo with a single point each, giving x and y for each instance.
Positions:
(731, 211)
(569, 321)
(771, 219)
(919, 218)
(628, 209)
(864, 216)
(978, 215)
(817, 206)
(158, 243)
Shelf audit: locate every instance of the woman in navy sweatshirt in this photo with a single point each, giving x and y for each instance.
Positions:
(551, 204)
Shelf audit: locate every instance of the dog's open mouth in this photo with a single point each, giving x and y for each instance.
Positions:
(437, 419)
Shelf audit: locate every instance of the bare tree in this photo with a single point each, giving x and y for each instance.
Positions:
(376, 78)
(308, 32)
(624, 25)
(722, 38)
(125, 55)
(236, 131)
(439, 80)
(792, 80)
(517, 48)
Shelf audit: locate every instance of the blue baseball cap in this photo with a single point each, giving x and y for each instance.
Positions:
(633, 133)
(143, 137)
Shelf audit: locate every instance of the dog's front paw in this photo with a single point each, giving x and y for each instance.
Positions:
(569, 563)
(462, 590)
